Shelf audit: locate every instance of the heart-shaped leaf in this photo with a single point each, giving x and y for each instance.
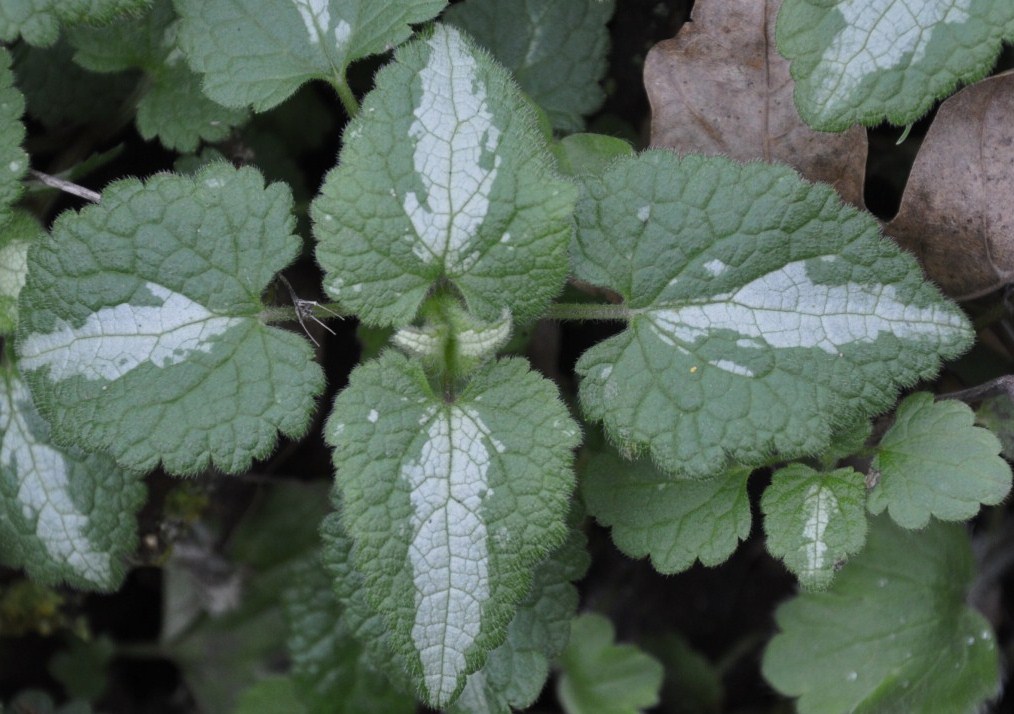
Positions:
(762, 313)
(443, 176)
(452, 500)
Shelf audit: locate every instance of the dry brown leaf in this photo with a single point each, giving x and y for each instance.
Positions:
(957, 213)
(720, 87)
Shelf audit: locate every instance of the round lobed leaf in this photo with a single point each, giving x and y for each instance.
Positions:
(140, 331)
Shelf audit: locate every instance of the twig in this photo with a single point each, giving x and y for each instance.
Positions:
(993, 388)
(65, 186)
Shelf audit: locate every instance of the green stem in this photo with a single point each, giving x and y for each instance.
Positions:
(348, 99)
(588, 311)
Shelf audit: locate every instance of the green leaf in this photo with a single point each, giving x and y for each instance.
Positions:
(933, 461)
(692, 684)
(258, 54)
(81, 668)
(893, 634)
(863, 62)
(238, 634)
(555, 48)
(776, 315)
(273, 695)
(600, 677)
(59, 91)
(39, 21)
(814, 521)
(13, 159)
(31, 701)
(173, 108)
(676, 522)
(366, 624)
(579, 154)
(64, 516)
(15, 237)
(140, 331)
(997, 415)
(452, 500)
(490, 216)
(516, 671)
(329, 667)
(847, 440)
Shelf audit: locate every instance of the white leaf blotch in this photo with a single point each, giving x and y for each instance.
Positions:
(785, 309)
(455, 154)
(715, 267)
(448, 553)
(42, 475)
(481, 342)
(316, 16)
(13, 268)
(342, 34)
(116, 340)
(878, 35)
(819, 504)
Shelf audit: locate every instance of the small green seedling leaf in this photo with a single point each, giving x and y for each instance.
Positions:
(65, 516)
(13, 159)
(15, 237)
(579, 154)
(443, 176)
(555, 48)
(332, 673)
(31, 701)
(814, 521)
(39, 21)
(516, 671)
(257, 54)
(82, 668)
(140, 330)
(857, 61)
(173, 108)
(935, 462)
(451, 501)
(762, 312)
(273, 695)
(997, 415)
(893, 634)
(676, 522)
(600, 677)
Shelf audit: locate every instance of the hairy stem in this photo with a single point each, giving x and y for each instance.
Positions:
(587, 311)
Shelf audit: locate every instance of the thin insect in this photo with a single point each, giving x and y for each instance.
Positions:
(304, 311)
